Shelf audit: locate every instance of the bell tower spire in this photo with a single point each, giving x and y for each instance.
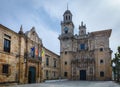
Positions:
(67, 6)
(67, 16)
(67, 24)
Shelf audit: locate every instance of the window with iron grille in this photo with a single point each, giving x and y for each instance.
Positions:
(5, 69)
(82, 46)
(54, 63)
(47, 61)
(7, 45)
(101, 74)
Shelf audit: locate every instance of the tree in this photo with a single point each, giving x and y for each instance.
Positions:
(116, 67)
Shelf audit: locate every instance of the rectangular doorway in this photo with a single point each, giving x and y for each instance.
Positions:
(82, 74)
(32, 75)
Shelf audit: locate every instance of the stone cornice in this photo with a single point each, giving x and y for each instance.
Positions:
(2, 26)
(50, 52)
(102, 33)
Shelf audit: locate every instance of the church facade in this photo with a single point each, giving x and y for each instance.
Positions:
(85, 56)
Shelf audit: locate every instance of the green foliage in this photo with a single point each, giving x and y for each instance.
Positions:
(119, 49)
(116, 68)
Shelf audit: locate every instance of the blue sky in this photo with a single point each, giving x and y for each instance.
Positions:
(46, 15)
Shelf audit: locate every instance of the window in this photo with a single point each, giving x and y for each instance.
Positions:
(66, 31)
(101, 49)
(69, 17)
(82, 46)
(101, 74)
(7, 45)
(5, 68)
(54, 63)
(101, 61)
(82, 32)
(47, 61)
(66, 17)
(65, 74)
(65, 52)
(65, 63)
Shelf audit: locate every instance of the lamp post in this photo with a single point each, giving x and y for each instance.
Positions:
(114, 71)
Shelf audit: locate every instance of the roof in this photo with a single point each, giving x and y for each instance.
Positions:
(67, 12)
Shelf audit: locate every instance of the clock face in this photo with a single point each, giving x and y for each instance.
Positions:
(66, 30)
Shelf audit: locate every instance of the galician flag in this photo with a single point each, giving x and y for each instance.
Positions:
(43, 53)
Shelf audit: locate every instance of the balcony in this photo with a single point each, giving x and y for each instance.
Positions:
(32, 57)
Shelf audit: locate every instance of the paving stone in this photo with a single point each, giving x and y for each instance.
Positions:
(73, 84)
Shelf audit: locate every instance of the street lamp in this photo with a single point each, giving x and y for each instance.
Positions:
(113, 71)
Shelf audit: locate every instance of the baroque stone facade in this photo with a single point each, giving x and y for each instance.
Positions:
(50, 65)
(22, 57)
(85, 56)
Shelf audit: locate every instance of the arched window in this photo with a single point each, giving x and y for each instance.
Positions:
(69, 17)
(66, 17)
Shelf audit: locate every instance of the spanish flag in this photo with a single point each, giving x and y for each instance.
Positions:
(43, 53)
(36, 52)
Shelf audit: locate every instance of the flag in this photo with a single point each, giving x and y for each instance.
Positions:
(39, 54)
(33, 51)
(43, 53)
(36, 52)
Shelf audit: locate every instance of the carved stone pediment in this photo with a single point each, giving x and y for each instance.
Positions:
(32, 35)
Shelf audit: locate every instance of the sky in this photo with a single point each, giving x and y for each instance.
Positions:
(46, 16)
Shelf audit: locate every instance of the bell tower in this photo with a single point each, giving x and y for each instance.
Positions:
(67, 32)
(67, 26)
(66, 44)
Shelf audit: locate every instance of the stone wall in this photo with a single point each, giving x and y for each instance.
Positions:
(19, 59)
(53, 71)
(9, 58)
